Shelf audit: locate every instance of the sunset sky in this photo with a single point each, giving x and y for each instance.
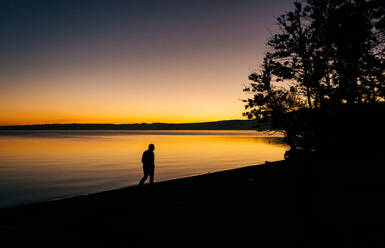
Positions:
(129, 61)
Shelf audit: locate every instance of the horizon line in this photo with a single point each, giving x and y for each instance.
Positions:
(137, 123)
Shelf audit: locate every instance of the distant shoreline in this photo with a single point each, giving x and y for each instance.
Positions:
(215, 125)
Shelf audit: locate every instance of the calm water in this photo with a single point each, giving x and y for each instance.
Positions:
(43, 165)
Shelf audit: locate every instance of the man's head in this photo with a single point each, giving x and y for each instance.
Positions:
(151, 147)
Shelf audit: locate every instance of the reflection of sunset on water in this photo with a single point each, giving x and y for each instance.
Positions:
(77, 162)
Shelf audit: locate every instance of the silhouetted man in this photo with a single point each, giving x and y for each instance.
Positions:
(148, 164)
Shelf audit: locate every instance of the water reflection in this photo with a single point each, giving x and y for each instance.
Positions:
(36, 166)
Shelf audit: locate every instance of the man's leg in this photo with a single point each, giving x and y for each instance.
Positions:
(151, 172)
(144, 178)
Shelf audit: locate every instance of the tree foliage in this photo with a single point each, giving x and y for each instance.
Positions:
(326, 54)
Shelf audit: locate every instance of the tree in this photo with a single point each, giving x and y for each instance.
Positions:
(292, 52)
(326, 54)
(272, 103)
(346, 33)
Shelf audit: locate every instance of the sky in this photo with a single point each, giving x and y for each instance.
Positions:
(130, 61)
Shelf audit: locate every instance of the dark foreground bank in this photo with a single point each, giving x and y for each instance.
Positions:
(299, 203)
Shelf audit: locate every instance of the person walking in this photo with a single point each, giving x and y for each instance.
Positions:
(148, 164)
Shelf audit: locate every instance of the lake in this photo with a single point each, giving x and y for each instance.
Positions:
(38, 166)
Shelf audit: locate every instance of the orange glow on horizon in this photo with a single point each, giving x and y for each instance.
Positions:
(101, 117)
(114, 94)
(38, 121)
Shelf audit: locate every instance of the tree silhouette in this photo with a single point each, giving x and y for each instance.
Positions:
(326, 54)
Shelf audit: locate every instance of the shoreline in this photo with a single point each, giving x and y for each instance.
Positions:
(125, 188)
(301, 202)
(198, 206)
(134, 187)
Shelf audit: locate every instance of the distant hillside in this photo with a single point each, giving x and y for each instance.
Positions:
(215, 125)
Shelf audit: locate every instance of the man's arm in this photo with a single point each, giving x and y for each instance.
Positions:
(143, 157)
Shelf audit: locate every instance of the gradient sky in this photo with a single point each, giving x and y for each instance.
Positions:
(129, 61)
